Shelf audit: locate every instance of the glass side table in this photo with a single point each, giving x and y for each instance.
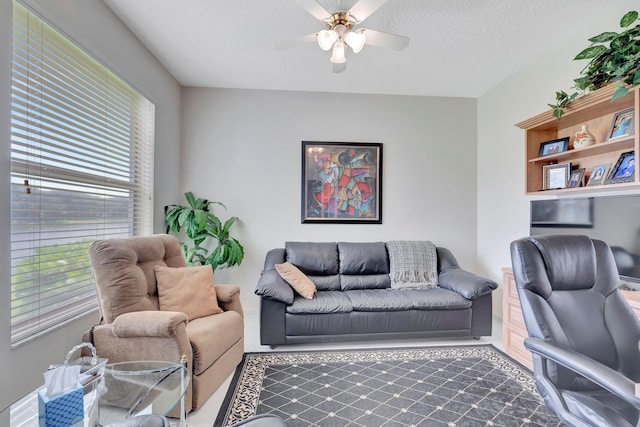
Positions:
(126, 389)
(143, 387)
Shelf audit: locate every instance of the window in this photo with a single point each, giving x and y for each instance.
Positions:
(81, 170)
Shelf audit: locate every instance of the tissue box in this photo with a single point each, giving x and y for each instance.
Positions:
(64, 410)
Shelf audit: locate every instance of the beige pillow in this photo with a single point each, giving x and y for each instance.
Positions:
(297, 279)
(187, 289)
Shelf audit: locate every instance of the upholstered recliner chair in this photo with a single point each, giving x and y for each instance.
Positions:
(582, 333)
(134, 326)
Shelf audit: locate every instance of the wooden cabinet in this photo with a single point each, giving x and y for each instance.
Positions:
(596, 111)
(514, 330)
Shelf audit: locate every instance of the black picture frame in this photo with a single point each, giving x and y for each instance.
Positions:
(341, 182)
(623, 171)
(622, 124)
(576, 179)
(554, 146)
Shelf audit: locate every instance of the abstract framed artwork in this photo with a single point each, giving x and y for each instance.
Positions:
(341, 182)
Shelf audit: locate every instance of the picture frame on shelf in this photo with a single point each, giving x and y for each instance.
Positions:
(598, 174)
(624, 169)
(576, 179)
(622, 124)
(556, 176)
(341, 182)
(554, 146)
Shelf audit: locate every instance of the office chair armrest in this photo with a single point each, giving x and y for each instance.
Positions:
(602, 375)
(148, 324)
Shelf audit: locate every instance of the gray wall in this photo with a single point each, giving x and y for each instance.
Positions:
(243, 148)
(92, 25)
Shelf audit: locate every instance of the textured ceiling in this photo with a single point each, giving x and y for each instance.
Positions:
(457, 47)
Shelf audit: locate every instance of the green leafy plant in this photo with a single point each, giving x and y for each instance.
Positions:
(614, 57)
(202, 227)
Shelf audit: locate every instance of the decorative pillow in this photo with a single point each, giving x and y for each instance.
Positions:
(187, 289)
(297, 279)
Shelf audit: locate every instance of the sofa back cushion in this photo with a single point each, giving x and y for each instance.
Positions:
(318, 260)
(363, 266)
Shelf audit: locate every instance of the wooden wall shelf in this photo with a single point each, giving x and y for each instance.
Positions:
(595, 110)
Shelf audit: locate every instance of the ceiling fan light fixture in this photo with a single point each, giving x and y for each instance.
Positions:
(355, 40)
(338, 54)
(326, 39)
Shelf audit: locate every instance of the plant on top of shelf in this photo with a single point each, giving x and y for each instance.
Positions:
(201, 226)
(614, 57)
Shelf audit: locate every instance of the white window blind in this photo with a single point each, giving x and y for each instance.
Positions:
(81, 170)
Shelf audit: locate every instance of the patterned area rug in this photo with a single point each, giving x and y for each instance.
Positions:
(432, 386)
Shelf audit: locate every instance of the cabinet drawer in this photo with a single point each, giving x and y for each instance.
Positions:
(513, 315)
(513, 342)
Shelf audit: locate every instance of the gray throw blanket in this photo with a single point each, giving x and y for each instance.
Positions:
(413, 264)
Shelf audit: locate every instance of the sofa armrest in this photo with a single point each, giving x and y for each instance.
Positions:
(148, 324)
(467, 284)
(272, 286)
(229, 298)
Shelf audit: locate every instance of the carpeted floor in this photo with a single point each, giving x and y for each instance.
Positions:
(432, 386)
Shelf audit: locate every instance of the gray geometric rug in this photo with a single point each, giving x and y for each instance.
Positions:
(432, 386)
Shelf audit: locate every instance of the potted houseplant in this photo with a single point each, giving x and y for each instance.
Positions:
(614, 57)
(203, 228)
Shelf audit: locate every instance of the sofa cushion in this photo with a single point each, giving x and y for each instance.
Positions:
(324, 302)
(212, 336)
(379, 300)
(435, 299)
(363, 265)
(187, 289)
(313, 258)
(297, 279)
(369, 281)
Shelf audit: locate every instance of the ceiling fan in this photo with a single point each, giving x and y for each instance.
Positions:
(341, 31)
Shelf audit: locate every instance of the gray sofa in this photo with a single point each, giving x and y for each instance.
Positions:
(355, 300)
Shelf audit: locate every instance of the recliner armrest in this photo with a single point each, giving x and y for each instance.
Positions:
(272, 286)
(148, 324)
(466, 283)
(229, 298)
(601, 374)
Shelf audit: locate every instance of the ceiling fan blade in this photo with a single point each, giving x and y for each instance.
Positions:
(364, 8)
(315, 8)
(386, 40)
(338, 68)
(309, 38)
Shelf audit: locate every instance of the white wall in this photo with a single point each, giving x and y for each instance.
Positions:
(93, 26)
(503, 209)
(243, 148)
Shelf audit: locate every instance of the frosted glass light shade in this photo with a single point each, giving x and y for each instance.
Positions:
(326, 39)
(355, 40)
(338, 54)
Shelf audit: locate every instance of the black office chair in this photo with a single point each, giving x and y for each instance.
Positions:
(582, 333)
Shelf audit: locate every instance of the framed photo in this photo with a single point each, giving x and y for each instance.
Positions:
(555, 176)
(341, 182)
(554, 146)
(622, 124)
(624, 169)
(598, 174)
(576, 179)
